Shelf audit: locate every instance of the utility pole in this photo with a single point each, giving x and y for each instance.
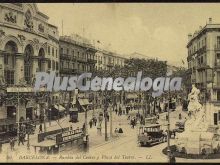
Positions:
(18, 113)
(105, 113)
(86, 121)
(168, 127)
(111, 109)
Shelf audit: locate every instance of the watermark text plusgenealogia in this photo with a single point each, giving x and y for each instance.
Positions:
(158, 85)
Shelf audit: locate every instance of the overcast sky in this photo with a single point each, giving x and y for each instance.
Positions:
(156, 30)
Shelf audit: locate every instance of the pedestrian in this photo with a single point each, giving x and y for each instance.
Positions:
(180, 116)
(120, 130)
(116, 110)
(127, 110)
(107, 117)
(116, 130)
(71, 127)
(129, 117)
(40, 128)
(167, 117)
(174, 134)
(10, 142)
(13, 144)
(20, 139)
(84, 128)
(90, 123)
(95, 120)
(120, 111)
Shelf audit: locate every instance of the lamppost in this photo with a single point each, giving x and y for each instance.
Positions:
(28, 128)
(168, 122)
(105, 115)
(18, 113)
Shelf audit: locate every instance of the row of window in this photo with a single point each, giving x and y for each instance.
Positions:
(201, 43)
(55, 65)
(52, 51)
(77, 54)
(70, 65)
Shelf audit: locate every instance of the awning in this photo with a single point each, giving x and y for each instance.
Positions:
(73, 109)
(30, 104)
(131, 96)
(59, 107)
(84, 102)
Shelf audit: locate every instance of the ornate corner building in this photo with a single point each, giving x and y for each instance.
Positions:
(28, 44)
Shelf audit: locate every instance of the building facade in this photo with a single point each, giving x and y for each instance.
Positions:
(28, 44)
(106, 60)
(204, 64)
(76, 56)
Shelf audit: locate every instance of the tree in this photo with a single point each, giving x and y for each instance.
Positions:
(150, 68)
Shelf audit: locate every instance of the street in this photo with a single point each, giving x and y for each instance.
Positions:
(119, 148)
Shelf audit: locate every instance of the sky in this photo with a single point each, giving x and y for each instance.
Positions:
(155, 30)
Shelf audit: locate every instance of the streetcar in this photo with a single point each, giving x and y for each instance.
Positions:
(73, 115)
(151, 134)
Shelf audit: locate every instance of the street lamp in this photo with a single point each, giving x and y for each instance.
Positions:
(28, 128)
(105, 115)
(18, 114)
(168, 124)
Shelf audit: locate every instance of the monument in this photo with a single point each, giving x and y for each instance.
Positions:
(197, 137)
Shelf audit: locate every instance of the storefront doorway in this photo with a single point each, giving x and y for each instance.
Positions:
(11, 112)
(29, 113)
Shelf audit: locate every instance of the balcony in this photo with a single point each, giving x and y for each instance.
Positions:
(82, 60)
(65, 56)
(216, 85)
(92, 61)
(202, 66)
(66, 70)
(217, 47)
(217, 64)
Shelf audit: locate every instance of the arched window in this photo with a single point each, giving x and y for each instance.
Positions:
(41, 56)
(28, 54)
(9, 61)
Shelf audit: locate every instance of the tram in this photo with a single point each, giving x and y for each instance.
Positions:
(151, 134)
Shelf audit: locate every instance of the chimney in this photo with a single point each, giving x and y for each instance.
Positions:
(210, 20)
(189, 36)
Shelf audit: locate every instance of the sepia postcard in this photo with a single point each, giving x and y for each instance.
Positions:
(110, 82)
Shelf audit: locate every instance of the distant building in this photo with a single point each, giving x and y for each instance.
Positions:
(106, 60)
(139, 55)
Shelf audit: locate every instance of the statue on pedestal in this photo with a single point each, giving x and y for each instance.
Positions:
(197, 120)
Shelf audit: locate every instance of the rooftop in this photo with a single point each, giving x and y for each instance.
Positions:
(199, 32)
